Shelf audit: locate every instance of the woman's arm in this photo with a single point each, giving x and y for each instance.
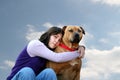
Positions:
(36, 48)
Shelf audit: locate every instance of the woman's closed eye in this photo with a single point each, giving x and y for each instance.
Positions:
(57, 37)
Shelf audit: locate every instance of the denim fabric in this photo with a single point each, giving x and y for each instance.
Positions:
(27, 73)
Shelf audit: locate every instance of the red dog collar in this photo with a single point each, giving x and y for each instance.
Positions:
(66, 47)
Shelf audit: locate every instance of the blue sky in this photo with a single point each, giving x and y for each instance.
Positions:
(24, 20)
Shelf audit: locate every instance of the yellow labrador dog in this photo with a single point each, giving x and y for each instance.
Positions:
(70, 41)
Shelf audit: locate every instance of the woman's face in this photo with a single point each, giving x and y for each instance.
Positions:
(54, 40)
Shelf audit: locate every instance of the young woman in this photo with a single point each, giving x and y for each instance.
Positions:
(30, 64)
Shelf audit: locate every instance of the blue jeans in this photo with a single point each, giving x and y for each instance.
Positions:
(28, 74)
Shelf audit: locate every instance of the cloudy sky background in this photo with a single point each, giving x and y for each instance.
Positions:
(24, 20)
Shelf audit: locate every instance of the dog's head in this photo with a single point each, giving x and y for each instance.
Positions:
(73, 34)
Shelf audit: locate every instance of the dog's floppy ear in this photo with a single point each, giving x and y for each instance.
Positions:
(64, 27)
(83, 31)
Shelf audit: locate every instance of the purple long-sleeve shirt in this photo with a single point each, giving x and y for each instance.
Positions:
(35, 55)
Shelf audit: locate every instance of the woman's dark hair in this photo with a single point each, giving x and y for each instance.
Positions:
(45, 37)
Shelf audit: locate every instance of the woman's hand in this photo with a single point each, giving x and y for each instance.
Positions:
(81, 50)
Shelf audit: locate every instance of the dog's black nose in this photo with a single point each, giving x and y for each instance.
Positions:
(76, 38)
(76, 35)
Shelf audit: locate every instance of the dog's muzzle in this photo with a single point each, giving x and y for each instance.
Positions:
(75, 38)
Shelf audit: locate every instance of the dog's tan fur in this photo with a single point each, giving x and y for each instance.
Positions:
(69, 70)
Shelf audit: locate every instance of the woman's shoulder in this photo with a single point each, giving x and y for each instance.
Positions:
(34, 46)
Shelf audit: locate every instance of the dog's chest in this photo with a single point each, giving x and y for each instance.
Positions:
(74, 62)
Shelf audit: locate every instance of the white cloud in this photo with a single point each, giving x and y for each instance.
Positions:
(100, 64)
(111, 39)
(89, 35)
(115, 34)
(48, 25)
(9, 63)
(86, 38)
(114, 37)
(108, 2)
(103, 40)
(32, 33)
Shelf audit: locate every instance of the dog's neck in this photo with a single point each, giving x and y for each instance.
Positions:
(69, 46)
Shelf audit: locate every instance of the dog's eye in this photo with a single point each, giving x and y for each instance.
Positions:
(79, 30)
(71, 30)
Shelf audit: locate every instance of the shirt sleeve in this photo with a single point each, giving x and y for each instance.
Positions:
(37, 48)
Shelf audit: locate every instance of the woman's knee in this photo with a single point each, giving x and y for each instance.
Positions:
(49, 70)
(25, 73)
(27, 70)
(47, 74)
